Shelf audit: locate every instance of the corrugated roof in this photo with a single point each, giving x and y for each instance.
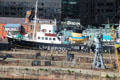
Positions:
(11, 20)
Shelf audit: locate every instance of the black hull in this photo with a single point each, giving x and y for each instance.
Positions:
(43, 46)
(46, 46)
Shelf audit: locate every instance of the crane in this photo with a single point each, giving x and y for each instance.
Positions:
(98, 59)
(117, 46)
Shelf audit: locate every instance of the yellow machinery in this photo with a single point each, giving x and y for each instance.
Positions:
(116, 47)
(28, 13)
(76, 34)
(78, 38)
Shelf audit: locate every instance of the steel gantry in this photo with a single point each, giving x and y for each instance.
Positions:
(98, 58)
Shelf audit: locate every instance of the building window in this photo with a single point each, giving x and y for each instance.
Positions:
(40, 9)
(54, 39)
(13, 8)
(109, 10)
(38, 37)
(6, 8)
(98, 10)
(100, 4)
(20, 8)
(102, 10)
(110, 4)
(42, 4)
(13, 13)
(6, 13)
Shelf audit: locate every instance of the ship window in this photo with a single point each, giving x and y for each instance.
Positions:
(42, 38)
(38, 37)
(46, 38)
(53, 38)
(49, 30)
(58, 38)
(49, 38)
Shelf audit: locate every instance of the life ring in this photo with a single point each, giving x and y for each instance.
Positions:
(44, 30)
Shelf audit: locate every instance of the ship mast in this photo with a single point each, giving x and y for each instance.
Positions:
(35, 19)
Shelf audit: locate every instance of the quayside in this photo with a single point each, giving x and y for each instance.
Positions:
(16, 79)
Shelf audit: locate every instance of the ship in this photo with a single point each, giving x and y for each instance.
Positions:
(47, 38)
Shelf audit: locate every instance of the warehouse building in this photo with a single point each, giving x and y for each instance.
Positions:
(17, 8)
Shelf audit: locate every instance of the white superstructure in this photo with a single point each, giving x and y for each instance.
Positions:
(47, 34)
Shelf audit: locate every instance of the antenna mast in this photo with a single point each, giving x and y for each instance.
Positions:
(35, 19)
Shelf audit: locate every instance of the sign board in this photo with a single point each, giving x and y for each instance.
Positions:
(12, 29)
(73, 23)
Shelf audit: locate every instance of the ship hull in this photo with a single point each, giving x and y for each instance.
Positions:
(43, 46)
(16, 43)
